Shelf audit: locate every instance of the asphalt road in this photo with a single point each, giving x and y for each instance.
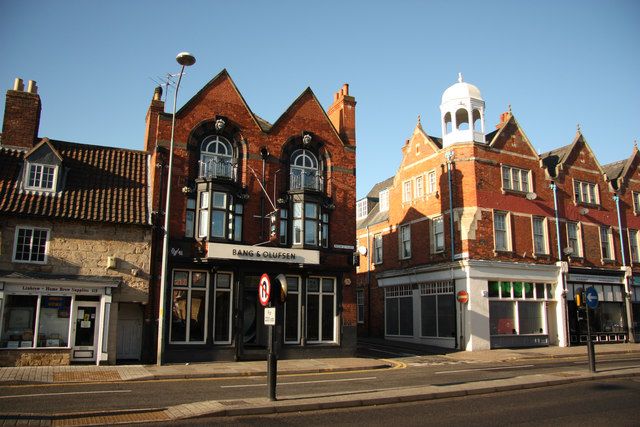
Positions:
(591, 403)
(413, 370)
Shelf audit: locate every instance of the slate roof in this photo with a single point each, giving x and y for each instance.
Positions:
(375, 216)
(375, 190)
(102, 184)
(614, 170)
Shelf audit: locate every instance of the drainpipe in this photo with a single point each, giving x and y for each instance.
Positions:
(563, 301)
(627, 288)
(449, 156)
(368, 283)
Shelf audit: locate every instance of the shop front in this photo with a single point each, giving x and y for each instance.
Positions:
(53, 320)
(609, 319)
(216, 315)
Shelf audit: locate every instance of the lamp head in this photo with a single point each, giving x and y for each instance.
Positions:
(185, 59)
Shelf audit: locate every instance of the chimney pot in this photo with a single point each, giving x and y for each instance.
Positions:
(18, 84)
(345, 89)
(32, 87)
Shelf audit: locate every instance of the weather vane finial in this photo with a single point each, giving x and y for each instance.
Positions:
(460, 78)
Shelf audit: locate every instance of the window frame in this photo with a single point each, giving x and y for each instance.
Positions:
(189, 288)
(507, 231)
(578, 239)
(41, 177)
(314, 172)
(544, 236)
(605, 230)
(588, 189)
(432, 183)
(320, 294)
(406, 191)
(215, 302)
(298, 295)
(434, 235)
(508, 174)
(360, 306)
(45, 254)
(635, 196)
(361, 208)
(378, 251)
(226, 159)
(418, 188)
(321, 221)
(633, 243)
(232, 214)
(383, 200)
(404, 243)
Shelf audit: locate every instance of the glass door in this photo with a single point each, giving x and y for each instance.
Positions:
(85, 321)
(254, 333)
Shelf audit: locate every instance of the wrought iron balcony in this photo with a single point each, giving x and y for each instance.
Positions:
(218, 169)
(301, 180)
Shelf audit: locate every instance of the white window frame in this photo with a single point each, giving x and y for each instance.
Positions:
(633, 245)
(431, 182)
(434, 234)
(361, 208)
(360, 305)
(377, 248)
(189, 288)
(545, 235)
(31, 247)
(406, 191)
(383, 198)
(516, 179)
(320, 294)
(419, 187)
(507, 225)
(40, 171)
(577, 252)
(636, 202)
(588, 189)
(402, 239)
(609, 246)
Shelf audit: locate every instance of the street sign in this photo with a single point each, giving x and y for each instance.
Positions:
(264, 290)
(463, 297)
(270, 316)
(591, 295)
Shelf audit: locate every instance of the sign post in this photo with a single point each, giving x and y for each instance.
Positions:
(264, 295)
(462, 297)
(591, 297)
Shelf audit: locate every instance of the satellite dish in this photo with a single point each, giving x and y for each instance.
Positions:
(531, 196)
(568, 250)
(584, 211)
(362, 250)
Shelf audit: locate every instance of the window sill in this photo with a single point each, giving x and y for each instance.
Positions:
(503, 252)
(542, 256)
(515, 192)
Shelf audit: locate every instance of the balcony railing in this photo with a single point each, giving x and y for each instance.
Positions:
(218, 169)
(300, 180)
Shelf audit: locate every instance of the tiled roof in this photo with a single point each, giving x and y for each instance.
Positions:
(98, 184)
(374, 217)
(614, 170)
(375, 191)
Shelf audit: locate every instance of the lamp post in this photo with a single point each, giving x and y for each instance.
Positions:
(185, 59)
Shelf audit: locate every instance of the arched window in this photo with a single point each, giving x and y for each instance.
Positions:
(462, 119)
(447, 123)
(305, 171)
(216, 158)
(476, 121)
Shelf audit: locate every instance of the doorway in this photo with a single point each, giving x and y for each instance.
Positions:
(253, 333)
(84, 334)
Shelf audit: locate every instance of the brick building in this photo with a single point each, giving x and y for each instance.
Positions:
(75, 245)
(232, 173)
(528, 231)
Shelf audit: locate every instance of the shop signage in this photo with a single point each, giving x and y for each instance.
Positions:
(261, 253)
(349, 247)
(593, 278)
(52, 290)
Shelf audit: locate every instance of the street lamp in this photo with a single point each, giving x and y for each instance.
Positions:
(185, 59)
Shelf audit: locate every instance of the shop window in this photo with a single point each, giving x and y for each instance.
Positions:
(19, 321)
(360, 305)
(574, 238)
(501, 228)
(219, 216)
(437, 304)
(518, 308)
(189, 306)
(540, 238)
(437, 235)
(222, 311)
(502, 318)
(216, 159)
(515, 179)
(305, 171)
(586, 192)
(377, 248)
(41, 177)
(399, 311)
(292, 311)
(31, 245)
(310, 225)
(605, 243)
(404, 237)
(321, 309)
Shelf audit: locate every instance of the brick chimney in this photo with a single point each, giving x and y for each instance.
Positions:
(21, 115)
(504, 118)
(155, 109)
(342, 114)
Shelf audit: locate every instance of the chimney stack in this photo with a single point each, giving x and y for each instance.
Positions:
(504, 118)
(342, 114)
(21, 115)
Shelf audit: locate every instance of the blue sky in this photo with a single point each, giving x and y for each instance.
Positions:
(557, 63)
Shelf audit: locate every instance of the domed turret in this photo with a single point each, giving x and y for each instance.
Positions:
(459, 103)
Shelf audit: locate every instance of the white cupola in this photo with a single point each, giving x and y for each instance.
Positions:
(461, 102)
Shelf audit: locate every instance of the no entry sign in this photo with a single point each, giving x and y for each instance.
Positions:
(462, 297)
(264, 290)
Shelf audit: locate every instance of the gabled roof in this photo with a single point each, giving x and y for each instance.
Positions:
(378, 187)
(493, 136)
(554, 160)
(103, 184)
(614, 170)
(45, 141)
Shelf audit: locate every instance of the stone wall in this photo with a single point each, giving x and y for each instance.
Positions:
(32, 357)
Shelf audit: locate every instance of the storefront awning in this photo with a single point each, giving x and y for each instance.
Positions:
(57, 280)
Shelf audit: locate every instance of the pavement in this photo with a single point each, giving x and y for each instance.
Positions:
(257, 406)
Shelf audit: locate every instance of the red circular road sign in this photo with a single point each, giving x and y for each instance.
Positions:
(462, 297)
(264, 290)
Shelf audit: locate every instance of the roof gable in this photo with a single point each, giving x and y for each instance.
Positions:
(581, 155)
(511, 137)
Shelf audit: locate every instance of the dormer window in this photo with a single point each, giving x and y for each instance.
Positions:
(384, 200)
(305, 173)
(361, 209)
(216, 159)
(41, 177)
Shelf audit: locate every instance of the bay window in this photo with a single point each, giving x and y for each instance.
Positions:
(219, 216)
(310, 226)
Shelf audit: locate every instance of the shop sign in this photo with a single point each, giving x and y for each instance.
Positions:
(53, 290)
(260, 253)
(348, 247)
(592, 278)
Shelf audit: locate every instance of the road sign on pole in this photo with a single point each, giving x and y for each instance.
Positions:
(592, 298)
(264, 290)
(462, 297)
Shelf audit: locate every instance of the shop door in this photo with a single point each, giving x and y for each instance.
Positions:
(129, 338)
(254, 333)
(85, 331)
